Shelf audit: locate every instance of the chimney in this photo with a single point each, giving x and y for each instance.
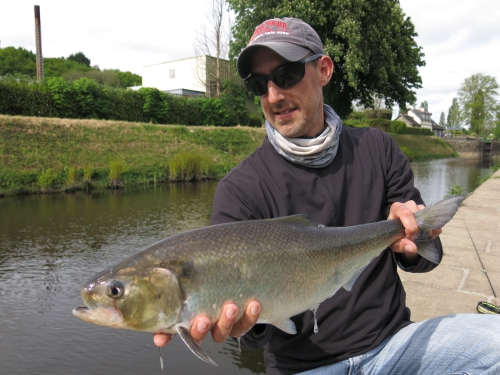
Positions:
(38, 37)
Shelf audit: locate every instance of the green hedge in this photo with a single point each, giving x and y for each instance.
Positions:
(397, 127)
(85, 98)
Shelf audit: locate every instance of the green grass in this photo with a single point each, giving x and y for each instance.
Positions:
(47, 155)
(421, 147)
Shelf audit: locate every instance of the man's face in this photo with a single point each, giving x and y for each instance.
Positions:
(296, 111)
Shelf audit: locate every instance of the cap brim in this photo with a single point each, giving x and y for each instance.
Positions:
(288, 51)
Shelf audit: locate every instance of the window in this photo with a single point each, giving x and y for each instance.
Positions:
(171, 73)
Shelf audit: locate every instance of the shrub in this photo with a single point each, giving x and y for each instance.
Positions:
(155, 107)
(381, 124)
(255, 121)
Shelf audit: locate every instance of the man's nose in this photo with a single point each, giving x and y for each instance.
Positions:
(274, 93)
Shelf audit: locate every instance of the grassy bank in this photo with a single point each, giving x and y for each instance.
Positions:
(420, 147)
(51, 155)
(47, 154)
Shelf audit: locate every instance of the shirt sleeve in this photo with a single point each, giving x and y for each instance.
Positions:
(400, 188)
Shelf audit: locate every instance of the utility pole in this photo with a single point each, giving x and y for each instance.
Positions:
(38, 37)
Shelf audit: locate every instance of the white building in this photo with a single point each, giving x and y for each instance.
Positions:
(195, 76)
(420, 118)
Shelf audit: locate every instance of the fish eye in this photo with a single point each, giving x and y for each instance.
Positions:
(115, 289)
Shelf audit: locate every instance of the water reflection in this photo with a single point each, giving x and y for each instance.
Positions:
(435, 178)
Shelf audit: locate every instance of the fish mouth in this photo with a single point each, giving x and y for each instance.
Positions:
(109, 317)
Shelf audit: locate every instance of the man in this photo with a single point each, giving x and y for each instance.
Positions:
(310, 163)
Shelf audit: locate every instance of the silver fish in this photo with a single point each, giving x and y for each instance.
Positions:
(288, 264)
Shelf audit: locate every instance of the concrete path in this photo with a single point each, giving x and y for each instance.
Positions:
(459, 282)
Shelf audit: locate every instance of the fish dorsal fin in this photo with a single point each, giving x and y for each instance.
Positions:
(300, 219)
(348, 286)
(286, 326)
(192, 345)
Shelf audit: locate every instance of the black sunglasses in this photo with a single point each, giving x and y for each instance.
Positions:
(285, 76)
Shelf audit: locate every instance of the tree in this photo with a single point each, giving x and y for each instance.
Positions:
(79, 57)
(477, 97)
(371, 43)
(425, 105)
(214, 41)
(442, 120)
(16, 61)
(453, 120)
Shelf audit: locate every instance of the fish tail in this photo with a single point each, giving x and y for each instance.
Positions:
(434, 217)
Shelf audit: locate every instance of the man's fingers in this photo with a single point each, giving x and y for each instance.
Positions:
(221, 330)
(161, 339)
(200, 328)
(251, 316)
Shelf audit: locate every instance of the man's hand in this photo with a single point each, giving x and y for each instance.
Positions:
(406, 246)
(225, 327)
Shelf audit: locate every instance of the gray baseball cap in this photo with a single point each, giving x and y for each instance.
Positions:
(290, 37)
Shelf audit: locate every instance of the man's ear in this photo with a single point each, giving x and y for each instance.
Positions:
(326, 69)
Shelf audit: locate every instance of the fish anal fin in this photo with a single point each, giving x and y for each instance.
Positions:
(192, 345)
(427, 249)
(286, 326)
(348, 286)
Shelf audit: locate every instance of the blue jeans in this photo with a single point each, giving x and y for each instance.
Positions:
(462, 344)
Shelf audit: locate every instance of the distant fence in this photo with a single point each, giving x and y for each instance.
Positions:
(474, 147)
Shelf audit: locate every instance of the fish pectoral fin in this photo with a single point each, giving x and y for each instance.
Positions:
(286, 326)
(192, 345)
(348, 286)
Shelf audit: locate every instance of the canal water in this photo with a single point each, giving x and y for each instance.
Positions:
(51, 244)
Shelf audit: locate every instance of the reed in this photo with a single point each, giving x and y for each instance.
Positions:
(116, 169)
(46, 180)
(189, 166)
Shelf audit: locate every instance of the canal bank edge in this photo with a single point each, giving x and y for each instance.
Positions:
(470, 240)
(45, 155)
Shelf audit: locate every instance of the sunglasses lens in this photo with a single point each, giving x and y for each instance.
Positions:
(289, 75)
(257, 85)
(286, 76)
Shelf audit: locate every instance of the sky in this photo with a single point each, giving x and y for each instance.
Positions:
(459, 37)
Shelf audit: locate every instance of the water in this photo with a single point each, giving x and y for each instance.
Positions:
(435, 178)
(50, 245)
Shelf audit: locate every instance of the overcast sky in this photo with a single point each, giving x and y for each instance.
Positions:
(459, 37)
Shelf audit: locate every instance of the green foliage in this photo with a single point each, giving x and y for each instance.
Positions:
(442, 120)
(25, 97)
(155, 107)
(232, 101)
(372, 44)
(89, 98)
(63, 96)
(453, 120)
(189, 166)
(213, 113)
(454, 190)
(255, 121)
(58, 66)
(425, 105)
(79, 57)
(116, 170)
(378, 113)
(398, 127)
(17, 61)
(47, 180)
(381, 124)
(477, 96)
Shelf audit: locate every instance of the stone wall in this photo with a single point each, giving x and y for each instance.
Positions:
(472, 147)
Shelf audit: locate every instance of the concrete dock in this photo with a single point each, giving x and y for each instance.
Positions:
(470, 240)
